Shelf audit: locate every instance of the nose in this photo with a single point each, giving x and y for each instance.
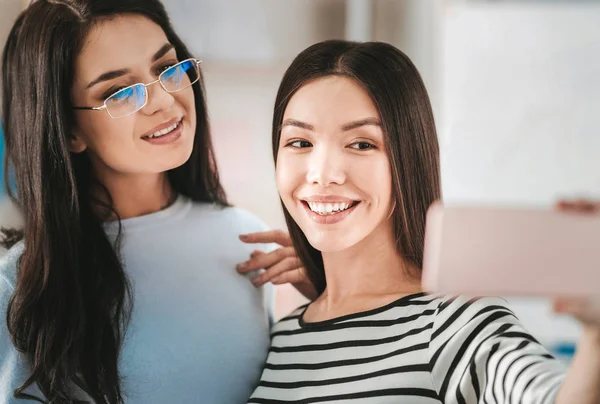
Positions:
(325, 167)
(158, 99)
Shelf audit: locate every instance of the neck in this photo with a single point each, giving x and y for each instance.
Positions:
(372, 269)
(133, 195)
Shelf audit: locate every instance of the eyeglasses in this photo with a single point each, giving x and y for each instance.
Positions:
(131, 99)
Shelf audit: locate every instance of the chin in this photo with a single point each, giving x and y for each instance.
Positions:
(329, 243)
(185, 155)
(185, 150)
(175, 161)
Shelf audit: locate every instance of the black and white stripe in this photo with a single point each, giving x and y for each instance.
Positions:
(418, 349)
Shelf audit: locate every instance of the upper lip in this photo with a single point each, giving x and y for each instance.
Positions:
(328, 199)
(162, 126)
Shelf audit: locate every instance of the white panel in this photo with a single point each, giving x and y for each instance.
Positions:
(521, 101)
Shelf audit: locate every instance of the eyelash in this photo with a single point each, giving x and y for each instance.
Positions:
(164, 67)
(291, 144)
(157, 72)
(371, 146)
(112, 91)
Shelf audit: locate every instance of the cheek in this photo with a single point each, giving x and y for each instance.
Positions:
(108, 135)
(186, 99)
(384, 173)
(288, 176)
(111, 142)
(374, 178)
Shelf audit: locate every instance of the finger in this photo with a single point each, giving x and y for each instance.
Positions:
(266, 260)
(299, 279)
(579, 205)
(241, 267)
(572, 306)
(560, 305)
(272, 236)
(297, 275)
(286, 265)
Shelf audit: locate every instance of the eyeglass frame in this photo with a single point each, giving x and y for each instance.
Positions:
(158, 80)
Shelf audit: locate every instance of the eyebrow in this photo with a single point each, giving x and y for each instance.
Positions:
(121, 72)
(362, 122)
(162, 51)
(297, 124)
(345, 128)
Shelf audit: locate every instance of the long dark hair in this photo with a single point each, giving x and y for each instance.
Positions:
(72, 300)
(396, 88)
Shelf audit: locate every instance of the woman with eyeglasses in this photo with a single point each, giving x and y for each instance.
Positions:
(357, 167)
(121, 286)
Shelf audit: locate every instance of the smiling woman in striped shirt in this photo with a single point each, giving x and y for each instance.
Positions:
(357, 166)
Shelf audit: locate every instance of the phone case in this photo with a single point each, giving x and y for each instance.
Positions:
(481, 251)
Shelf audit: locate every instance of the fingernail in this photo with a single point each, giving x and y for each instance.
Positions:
(242, 266)
(276, 280)
(257, 281)
(243, 237)
(561, 307)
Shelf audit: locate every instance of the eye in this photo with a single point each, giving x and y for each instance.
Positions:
(124, 96)
(111, 91)
(166, 65)
(298, 144)
(362, 146)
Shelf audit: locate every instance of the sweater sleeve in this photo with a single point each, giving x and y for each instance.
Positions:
(14, 366)
(480, 353)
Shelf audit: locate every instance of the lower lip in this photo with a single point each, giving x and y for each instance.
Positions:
(168, 138)
(329, 218)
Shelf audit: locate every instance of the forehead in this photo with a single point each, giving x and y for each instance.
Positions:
(331, 100)
(123, 42)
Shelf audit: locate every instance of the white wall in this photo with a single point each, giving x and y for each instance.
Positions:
(255, 32)
(521, 95)
(9, 9)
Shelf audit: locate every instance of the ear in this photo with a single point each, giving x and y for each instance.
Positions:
(76, 143)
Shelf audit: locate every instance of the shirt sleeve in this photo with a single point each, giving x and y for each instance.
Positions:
(14, 367)
(480, 353)
(252, 224)
(269, 290)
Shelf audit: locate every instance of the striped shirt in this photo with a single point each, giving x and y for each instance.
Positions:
(420, 349)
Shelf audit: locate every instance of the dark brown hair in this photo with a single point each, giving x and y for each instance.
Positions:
(398, 92)
(72, 300)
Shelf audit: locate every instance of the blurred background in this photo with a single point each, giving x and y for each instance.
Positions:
(514, 84)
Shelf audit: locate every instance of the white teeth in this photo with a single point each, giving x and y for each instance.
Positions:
(163, 132)
(328, 208)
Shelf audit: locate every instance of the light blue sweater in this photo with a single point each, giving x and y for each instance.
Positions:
(199, 331)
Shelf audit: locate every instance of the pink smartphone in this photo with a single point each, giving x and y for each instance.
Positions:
(511, 252)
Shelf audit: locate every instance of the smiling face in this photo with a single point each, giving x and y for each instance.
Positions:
(117, 53)
(333, 173)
